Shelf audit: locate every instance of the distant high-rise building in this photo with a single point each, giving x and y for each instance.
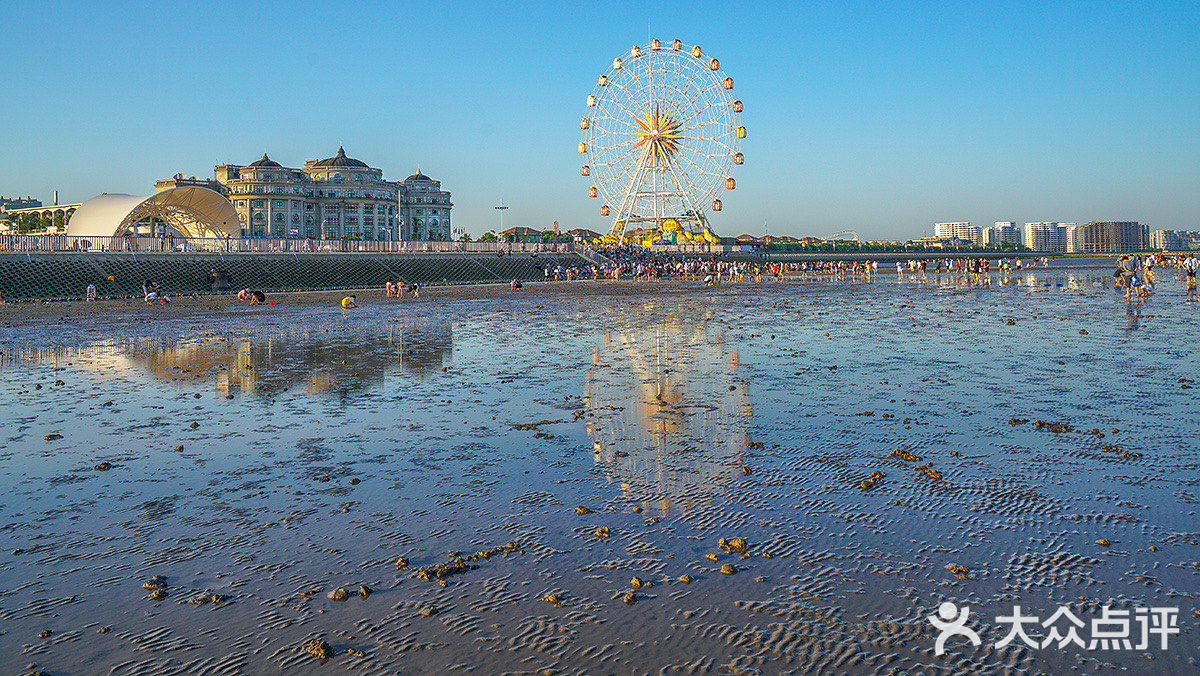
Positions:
(1174, 240)
(1068, 232)
(959, 230)
(1044, 236)
(1007, 231)
(1113, 237)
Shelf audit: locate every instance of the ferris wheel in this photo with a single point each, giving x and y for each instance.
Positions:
(660, 141)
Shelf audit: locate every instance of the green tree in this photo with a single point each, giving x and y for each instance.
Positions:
(466, 237)
(488, 237)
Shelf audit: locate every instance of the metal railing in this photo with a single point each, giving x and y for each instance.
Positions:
(79, 244)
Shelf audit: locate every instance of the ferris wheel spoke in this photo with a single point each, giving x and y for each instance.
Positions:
(634, 98)
(697, 111)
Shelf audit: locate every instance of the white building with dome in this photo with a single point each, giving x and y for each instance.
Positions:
(424, 208)
(335, 198)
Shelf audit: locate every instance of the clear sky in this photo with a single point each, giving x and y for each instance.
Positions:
(882, 118)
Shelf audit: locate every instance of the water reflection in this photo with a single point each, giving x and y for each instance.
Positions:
(320, 363)
(670, 410)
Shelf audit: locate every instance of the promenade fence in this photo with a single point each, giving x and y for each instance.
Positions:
(77, 244)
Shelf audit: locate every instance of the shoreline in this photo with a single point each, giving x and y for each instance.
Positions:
(210, 303)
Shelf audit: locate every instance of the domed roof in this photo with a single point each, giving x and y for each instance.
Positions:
(266, 162)
(340, 160)
(418, 176)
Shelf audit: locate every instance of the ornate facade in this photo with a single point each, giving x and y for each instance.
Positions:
(334, 198)
(424, 208)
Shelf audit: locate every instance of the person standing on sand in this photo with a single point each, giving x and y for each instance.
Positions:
(1189, 267)
(1128, 266)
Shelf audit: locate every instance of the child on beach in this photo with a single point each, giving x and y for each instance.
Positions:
(349, 301)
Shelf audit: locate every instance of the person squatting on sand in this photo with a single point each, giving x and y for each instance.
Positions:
(153, 292)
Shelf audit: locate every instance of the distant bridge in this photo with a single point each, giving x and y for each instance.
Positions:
(845, 236)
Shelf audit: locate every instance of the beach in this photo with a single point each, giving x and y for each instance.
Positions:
(599, 476)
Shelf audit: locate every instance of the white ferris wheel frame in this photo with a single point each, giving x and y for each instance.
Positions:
(691, 91)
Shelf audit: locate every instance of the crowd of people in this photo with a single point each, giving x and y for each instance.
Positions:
(1136, 276)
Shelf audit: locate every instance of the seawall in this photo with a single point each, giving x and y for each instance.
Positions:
(62, 276)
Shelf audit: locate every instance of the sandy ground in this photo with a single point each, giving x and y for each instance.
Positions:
(216, 304)
(553, 481)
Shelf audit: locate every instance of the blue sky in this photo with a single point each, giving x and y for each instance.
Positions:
(882, 118)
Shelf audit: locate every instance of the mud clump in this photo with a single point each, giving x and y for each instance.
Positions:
(581, 510)
(734, 546)
(363, 591)
(155, 582)
(103, 467)
(159, 594)
(207, 597)
(194, 425)
(402, 562)
(636, 582)
(1056, 427)
(958, 570)
(553, 600)
(1018, 421)
(905, 455)
(927, 470)
(428, 611)
(338, 594)
(686, 579)
(355, 481)
(1105, 542)
(535, 425)
(319, 650)
(728, 569)
(630, 598)
(45, 633)
(460, 564)
(601, 532)
(872, 481)
(746, 471)
(52, 437)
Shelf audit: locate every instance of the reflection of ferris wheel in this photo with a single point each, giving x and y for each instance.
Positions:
(660, 139)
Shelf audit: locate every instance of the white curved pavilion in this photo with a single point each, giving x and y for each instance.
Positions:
(190, 212)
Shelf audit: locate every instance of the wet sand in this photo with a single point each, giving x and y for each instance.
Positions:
(483, 474)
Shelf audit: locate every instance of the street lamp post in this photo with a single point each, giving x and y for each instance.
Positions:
(501, 209)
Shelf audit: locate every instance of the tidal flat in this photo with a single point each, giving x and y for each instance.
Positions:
(601, 477)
